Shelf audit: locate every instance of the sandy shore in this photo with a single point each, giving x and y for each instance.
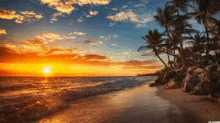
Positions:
(135, 105)
(205, 108)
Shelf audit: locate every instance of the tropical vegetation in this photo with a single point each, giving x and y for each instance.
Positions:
(184, 45)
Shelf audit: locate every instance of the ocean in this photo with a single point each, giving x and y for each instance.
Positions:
(26, 99)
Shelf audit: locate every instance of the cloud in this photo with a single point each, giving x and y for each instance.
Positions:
(49, 37)
(114, 45)
(60, 6)
(80, 20)
(31, 16)
(54, 17)
(61, 51)
(124, 16)
(36, 51)
(138, 64)
(27, 16)
(67, 6)
(9, 15)
(3, 32)
(93, 13)
(79, 33)
(109, 37)
(93, 43)
(91, 56)
(93, 2)
(139, 19)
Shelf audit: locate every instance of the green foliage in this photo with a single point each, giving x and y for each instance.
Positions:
(174, 17)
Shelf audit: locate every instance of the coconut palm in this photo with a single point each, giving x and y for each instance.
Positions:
(179, 5)
(202, 13)
(165, 17)
(198, 47)
(153, 41)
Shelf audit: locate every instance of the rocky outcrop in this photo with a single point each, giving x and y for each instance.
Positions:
(173, 80)
(202, 88)
(195, 80)
(190, 82)
(199, 81)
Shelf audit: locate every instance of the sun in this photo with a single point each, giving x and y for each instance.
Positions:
(46, 70)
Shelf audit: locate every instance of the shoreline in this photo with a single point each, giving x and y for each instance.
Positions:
(134, 105)
(206, 109)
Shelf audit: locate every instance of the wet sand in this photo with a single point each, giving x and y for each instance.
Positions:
(205, 108)
(135, 105)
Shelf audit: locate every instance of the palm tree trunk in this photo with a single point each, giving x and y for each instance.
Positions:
(156, 53)
(162, 61)
(168, 56)
(207, 47)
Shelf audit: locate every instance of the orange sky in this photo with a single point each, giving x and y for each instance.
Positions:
(30, 57)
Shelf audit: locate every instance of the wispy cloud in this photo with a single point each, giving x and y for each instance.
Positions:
(130, 16)
(109, 37)
(114, 45)
(79, 33)
(124, 16)
(3, 32)
(60, 6)
(93, 13)
(31, 15)
(49, 37)
(54, 17)
(92, 43)
(9, 15)
(27, 16)
(67, 6)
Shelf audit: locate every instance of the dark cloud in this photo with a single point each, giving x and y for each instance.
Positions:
(91, 56)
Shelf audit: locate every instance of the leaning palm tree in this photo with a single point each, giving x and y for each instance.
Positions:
(202, 13)
(168, 47)
(153, 41)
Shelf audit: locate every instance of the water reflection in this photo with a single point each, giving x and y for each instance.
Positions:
(134, 105)
(24, 99)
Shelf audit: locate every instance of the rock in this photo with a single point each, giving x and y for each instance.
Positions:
(191, 69)
(204, 76)
(215, 88)
(212, 68)
(170, 75)
(190, 82)
(171, 85)
(179, 78)
(159, 79)
(213, 76)
(152, 84)
(202, 88)
(198, 71)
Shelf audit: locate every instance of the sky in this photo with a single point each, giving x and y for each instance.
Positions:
(77, 37)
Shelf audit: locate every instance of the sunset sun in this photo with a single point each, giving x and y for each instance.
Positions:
(46, 70)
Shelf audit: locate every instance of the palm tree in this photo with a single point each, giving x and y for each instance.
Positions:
(181, 28)
(165, 17)
(203, 12)
(198, 41)
(168, 47)
(153, 41)
(179, 5)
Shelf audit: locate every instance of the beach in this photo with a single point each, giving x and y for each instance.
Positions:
(201, 105)
(138, 105)
(113, 100)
